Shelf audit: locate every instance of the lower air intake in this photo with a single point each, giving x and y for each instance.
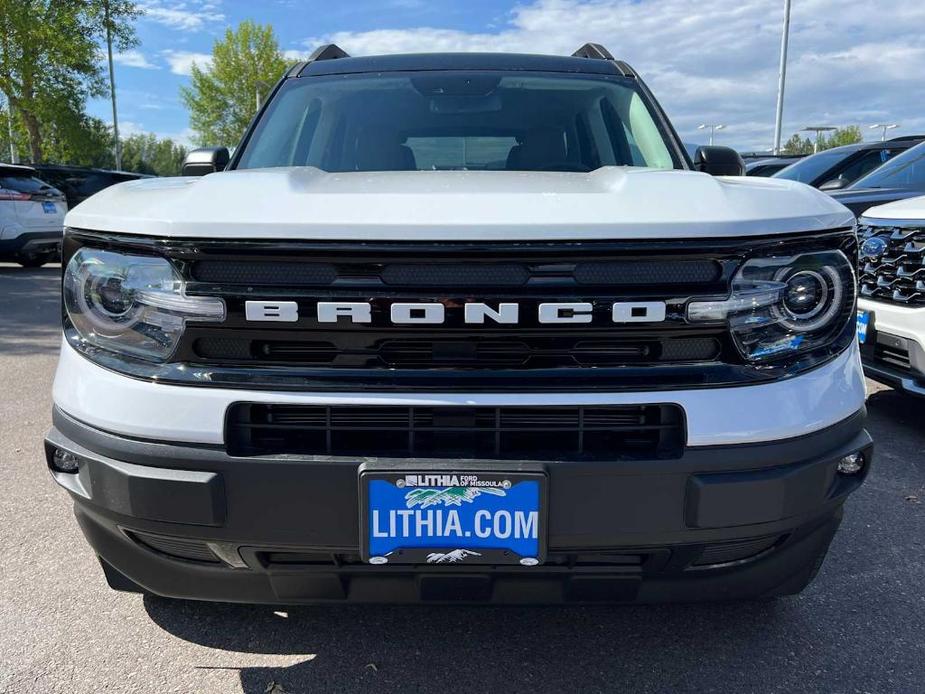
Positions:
(524, 433)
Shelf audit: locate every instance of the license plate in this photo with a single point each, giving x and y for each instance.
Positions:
(863, 324)
(452, 518)
(49, 208)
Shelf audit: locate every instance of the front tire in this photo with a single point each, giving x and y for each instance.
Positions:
(32, 261)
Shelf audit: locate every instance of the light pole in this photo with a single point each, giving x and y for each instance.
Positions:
(112, 88)
(9, 124)
(884, 127)
(260, 87)
(818, 129)
(782, 77)
(713, 128)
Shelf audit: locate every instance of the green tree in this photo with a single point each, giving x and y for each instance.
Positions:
(145, 153)
(222, 98)
(75, 138)
(798, 145)
(49, 57)
(842, 136)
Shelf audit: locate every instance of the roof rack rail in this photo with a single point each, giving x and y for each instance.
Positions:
(594, 51)
(329, 51)
(906, 137)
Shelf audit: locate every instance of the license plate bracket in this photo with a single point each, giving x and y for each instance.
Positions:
(452, 516)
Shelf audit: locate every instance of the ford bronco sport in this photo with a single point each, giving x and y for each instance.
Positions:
(460, 327)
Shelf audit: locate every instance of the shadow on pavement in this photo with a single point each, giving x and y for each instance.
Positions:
(480, 648)
(896, 407)
(30, 308)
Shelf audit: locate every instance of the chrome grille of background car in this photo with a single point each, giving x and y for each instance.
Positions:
(897, 275)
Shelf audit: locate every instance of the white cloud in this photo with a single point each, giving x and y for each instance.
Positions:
(134, 58)
(850, 63)
(293, 55)
(181, 62)
(185, 16)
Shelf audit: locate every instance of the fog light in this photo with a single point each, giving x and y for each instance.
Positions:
(851, 464)
(63, 461)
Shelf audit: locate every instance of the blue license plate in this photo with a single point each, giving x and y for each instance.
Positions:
(453, 517)
(863, 324)
(49, 208)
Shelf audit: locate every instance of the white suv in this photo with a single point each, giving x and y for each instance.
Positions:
(460, 327)
(891, 311)
(31, 217)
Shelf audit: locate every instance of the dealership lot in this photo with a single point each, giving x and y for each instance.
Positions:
(859, 628)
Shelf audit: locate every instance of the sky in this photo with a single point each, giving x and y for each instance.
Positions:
(852, 62)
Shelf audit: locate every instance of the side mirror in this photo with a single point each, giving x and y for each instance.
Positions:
(719, 161)
(206, 160)
(834, 184)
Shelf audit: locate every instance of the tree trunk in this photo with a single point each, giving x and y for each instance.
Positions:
(35, 135)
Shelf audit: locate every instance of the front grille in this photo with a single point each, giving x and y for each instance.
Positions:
(519, 433)
(897, 275)
(175, 547)
(481, 273)
(616, 349)
(529, 352)
(895, 356)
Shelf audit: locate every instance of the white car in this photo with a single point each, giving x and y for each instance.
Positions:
(460, 327)
(31, 217)
(891, 310)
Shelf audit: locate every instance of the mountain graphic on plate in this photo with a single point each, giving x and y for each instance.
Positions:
(451, 496)
(451, 557)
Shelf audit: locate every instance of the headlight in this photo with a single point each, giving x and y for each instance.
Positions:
(781, 306)
(131, 304)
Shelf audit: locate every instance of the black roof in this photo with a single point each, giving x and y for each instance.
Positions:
(462, 61)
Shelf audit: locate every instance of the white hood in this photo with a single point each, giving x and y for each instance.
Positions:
(610, 203)
(912, 209)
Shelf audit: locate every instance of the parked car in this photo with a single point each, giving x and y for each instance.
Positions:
(839, 167)
(768, 166)
(78, 183)
(900, 178)
(460, 327)
(891, 311)
(31, 217)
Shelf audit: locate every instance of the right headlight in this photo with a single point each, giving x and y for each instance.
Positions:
(787, 305)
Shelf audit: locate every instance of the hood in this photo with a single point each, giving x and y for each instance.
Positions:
(610, 203)
(860, 200)
(911, 209)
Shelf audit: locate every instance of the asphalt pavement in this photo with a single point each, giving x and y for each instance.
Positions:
(859, 628)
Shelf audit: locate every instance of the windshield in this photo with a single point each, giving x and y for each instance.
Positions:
(905, 171)
(810, 168)
(458, 120)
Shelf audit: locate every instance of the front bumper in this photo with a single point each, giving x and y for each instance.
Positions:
(894, 351)
(722, 522)
(31, 244)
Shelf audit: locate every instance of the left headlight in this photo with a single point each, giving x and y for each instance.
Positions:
(131, 304)
(783, 306)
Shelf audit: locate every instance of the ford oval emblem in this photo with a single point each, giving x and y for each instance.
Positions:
(873, 247)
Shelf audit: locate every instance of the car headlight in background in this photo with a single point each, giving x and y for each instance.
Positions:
(781, 306)
(131, 304)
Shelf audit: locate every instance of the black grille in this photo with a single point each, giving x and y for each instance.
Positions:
(176, 547)
(435, 274)
(531, 352)
(898, 274)
(895, 356)
(525, 433)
